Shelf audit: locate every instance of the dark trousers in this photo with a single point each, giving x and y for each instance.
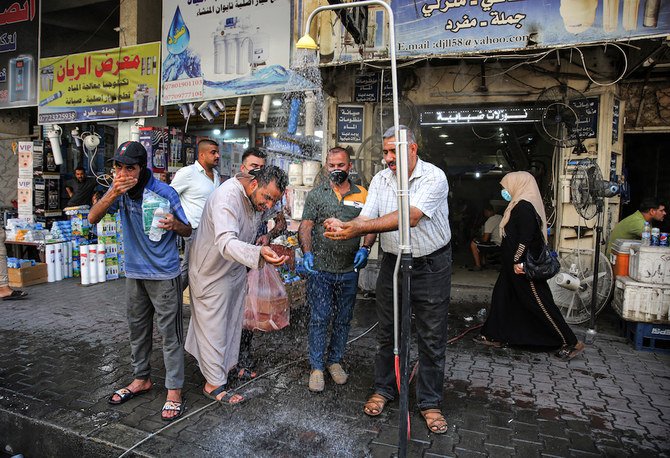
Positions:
(429, 296)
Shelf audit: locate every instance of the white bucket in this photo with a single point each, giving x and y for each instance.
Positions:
(310, 170)
(295, 174)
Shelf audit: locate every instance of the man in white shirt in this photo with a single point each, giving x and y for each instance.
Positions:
(194, 184)
(490, 240)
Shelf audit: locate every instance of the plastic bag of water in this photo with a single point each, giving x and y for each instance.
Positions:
(154, 208)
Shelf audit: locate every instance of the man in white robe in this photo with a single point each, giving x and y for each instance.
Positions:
(222, 252)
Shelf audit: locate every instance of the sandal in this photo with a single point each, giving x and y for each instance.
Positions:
(245, 374)
(375, 405)
(16, 294)
(124, 395)
(435, 421)
(176, 406)
(481, 339)
(567, 352)
(227, 398)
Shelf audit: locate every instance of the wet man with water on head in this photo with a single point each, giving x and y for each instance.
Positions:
(431, 274)
(221, 254)
(333, 267)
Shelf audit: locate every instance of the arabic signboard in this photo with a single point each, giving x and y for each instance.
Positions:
(350, 123)
(219, 49)
(113, 83)
(366, 88)
(587, 118)
(489, 115)
(431, 27)
(19, 48)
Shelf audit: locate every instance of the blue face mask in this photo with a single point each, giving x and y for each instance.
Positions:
(506, 195)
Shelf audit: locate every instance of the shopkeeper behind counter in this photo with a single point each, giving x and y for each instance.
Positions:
(81, 189)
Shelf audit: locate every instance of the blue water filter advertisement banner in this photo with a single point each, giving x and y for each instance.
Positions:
(218, 49)
(19, 52)
(440, 27)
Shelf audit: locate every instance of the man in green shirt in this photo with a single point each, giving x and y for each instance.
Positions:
(631, 227)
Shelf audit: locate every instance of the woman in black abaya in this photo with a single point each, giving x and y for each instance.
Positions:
(523, 311)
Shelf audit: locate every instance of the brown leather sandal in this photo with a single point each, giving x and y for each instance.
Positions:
(435, 421)
(481, 339)
(375, 405)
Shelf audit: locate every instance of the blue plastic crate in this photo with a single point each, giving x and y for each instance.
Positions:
(648, 336)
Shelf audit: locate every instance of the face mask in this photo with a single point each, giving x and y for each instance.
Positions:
(338, 176)
(254, 172)
(506, 195)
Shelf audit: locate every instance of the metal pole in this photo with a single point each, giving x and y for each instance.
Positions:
(591, 332)
(402, 176)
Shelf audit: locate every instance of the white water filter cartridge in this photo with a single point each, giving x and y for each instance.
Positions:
(93, 264)
(70, 247)
(265, 109)
(238, 109)
(51, 262)
(59, 261)
(102, 275)
(84, 264)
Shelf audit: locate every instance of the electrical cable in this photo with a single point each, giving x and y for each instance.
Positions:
(264, 375)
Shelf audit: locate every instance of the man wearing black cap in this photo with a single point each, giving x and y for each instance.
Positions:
(153, 282)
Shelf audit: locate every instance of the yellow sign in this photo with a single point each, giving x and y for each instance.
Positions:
(100, 85)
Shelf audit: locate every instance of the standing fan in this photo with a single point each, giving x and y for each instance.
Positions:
(562, 109)
(572, 287)
(580, 273)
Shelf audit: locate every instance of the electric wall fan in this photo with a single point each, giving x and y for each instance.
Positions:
(583, 286)
(562, 109)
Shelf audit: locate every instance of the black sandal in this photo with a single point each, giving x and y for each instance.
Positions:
(124, 395)
(567, 352)
(481, 339)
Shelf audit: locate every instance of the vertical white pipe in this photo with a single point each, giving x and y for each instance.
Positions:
(238, 109)
(102, 274)
(51, 262)
(59, 262)
(265, 109)
(93, 264)
(84, 264)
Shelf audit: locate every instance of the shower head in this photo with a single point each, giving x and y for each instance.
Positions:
(306, 42)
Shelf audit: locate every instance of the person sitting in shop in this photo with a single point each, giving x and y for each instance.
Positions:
(81, 189)
(631, 227)
(490, 240)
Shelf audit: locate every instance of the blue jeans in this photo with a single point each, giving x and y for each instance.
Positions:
(330, 296)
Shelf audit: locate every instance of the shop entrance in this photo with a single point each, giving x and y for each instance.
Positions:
(475, 157)
(647, 161)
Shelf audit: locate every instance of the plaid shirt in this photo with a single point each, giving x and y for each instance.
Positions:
(428, 191)
(147, 260)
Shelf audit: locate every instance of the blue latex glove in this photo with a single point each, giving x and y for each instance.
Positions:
(308, 262)
(361, 258)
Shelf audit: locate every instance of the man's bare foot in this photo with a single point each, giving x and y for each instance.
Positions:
(230, 399)
(137, 386)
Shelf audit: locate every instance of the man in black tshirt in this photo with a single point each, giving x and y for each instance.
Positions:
(81, 189)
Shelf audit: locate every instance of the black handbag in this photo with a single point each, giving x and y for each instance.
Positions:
(545, 265)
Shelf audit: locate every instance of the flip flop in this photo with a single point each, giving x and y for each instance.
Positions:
(481, 339)
(16, 295)
(226, 399)
(176, 406)
(568, 352)
(245, 374)
(125, 395)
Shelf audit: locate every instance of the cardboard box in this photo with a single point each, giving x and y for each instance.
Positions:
(27, 276)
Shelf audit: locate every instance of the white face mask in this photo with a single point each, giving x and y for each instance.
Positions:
(506, 195)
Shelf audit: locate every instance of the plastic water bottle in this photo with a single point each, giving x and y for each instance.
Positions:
(646, 234)
(155, 233)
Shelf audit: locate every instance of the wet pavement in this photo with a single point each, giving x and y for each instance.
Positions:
(65, 349)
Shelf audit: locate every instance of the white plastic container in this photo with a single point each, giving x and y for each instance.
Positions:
(296, 198)
(51, 262)
(310, 169)
(642, 302)
(650, 264)
(102, 274)
(93, 264)
(295, 174)
(84, 265)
